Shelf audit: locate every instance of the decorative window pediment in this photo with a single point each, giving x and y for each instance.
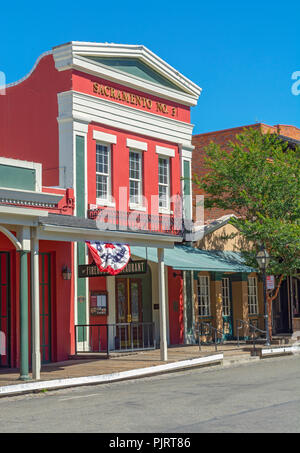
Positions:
(136, 68)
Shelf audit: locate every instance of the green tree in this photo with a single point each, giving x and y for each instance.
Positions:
(257, 177)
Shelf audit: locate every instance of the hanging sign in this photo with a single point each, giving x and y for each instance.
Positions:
(270, 282)
(91, 270)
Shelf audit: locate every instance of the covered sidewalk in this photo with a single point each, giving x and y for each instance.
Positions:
(34, 225)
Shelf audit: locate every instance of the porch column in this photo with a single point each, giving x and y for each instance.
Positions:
(24, 238)
(35, 310)
(24, 362)
(162, 305)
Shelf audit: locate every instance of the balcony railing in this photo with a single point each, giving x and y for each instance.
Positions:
(110, 219)
(119, 337)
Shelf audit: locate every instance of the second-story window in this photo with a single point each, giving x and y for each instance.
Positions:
(103, 172)
(135, 178)
(164, 182)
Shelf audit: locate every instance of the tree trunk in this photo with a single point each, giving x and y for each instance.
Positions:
(270, 299)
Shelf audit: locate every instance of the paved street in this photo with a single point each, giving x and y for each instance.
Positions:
(260, 397)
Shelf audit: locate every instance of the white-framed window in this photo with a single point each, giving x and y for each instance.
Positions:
(226, 297)
(252, 296)
(135, 178)
(203, 287)
(164, 182)
(103, 172)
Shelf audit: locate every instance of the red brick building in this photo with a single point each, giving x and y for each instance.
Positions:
(286, 308)
(201, 141)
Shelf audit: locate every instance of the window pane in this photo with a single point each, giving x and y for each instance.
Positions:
(102, 171)
(134, 166)
(135, 177)
(252, 296)
(101, 186)
(102, 159)
(163, 182)
(203, 296)
(163, 199)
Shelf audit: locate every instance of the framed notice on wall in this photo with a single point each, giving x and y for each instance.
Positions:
(99, 303)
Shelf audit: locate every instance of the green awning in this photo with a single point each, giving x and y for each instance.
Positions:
(183, 257)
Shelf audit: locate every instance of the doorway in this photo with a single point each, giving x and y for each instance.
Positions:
(227, 309)
(45, 307)
(281, 312)
(128, 311)
(5, 359)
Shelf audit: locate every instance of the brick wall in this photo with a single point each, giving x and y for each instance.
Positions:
(222, 138)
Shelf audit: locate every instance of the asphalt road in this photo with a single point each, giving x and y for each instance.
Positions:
(260, 397)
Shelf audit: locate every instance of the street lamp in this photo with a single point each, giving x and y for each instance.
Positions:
(263, 259)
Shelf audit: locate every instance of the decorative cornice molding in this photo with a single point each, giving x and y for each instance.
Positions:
(74, 55)
(136, 144)
(87, 108)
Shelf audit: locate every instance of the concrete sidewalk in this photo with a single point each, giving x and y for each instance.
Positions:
(84, 371)
(116, 364)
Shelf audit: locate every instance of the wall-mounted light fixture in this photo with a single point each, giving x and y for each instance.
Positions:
(66, 273)
(177, 275)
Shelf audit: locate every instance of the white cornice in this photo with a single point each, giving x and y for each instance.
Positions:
(104, 137)
(73, 104)
(165, 151)
(73, 56)
(136, 144)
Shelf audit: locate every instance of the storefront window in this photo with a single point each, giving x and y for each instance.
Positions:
(252, 296)
(203, 296)
(226, 297)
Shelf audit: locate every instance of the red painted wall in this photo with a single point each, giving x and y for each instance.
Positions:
(120, 165)
(7, 246)
(84, 83)
(62, 299)
(28, 118)
(175, 292)
(98, 284)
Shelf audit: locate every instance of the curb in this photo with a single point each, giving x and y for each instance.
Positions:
(107, 378)
(283, 350)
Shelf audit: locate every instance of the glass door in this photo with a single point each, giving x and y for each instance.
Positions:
(227, 310)
(128, 312)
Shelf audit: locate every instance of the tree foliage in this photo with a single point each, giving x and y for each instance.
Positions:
(257, 177)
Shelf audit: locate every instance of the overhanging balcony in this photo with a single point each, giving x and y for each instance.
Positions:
(108, 218)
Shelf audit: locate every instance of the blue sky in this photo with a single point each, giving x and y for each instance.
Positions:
(242, 54)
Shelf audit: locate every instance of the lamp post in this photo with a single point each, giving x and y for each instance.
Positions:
(263, 259)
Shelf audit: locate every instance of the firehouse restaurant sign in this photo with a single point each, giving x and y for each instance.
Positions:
(91, 270)
(133, 99)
